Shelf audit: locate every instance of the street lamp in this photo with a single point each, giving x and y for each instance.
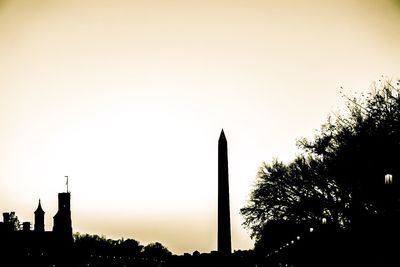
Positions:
(388, 179)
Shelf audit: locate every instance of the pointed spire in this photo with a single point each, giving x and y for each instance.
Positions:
(39, 208)
(222, 135)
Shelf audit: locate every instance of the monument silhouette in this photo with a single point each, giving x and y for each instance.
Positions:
(60, 248)
(224, 221)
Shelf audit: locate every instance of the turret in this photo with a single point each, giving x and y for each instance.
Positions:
(39, 219)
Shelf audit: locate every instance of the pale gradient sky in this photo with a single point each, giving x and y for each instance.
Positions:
(128, 98)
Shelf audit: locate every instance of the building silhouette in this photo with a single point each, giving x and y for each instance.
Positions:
(37, 246)
(224, 221)
(39, 219)
(62, 220)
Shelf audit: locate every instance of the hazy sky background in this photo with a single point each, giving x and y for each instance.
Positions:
(128, 98)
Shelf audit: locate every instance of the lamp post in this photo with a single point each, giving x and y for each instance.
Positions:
(388, 179)
(389, 194)
(390, 232)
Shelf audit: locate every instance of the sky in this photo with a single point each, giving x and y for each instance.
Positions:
(128, 99)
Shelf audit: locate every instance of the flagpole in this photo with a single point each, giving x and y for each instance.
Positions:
(67, 183)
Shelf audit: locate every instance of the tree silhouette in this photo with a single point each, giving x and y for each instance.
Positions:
(340, 176)
(156, 251)
(90, 246)
(294, 192)
(130, 247)
(359, 148)
(14, 222)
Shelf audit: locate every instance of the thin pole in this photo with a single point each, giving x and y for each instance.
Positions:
(67, 183)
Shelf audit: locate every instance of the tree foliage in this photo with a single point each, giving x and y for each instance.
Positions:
(358, 149)
(340, 175)
(292, 192)
(156, 251)
(14, 222)
(86, 244)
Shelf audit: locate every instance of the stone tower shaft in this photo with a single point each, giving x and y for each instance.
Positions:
(224, 221)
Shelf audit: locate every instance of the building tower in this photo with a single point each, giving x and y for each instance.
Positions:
(39, 219)
(62, 220)
(224, 221)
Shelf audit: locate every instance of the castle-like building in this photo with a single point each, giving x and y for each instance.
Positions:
(37, 244)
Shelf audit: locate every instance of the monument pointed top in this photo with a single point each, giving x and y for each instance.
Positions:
(222, 135)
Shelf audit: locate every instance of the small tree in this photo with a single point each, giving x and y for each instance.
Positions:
(14, 222)
(156, 251)
(130, 247)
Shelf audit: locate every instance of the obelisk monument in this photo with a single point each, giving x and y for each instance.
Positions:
(224, 220)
